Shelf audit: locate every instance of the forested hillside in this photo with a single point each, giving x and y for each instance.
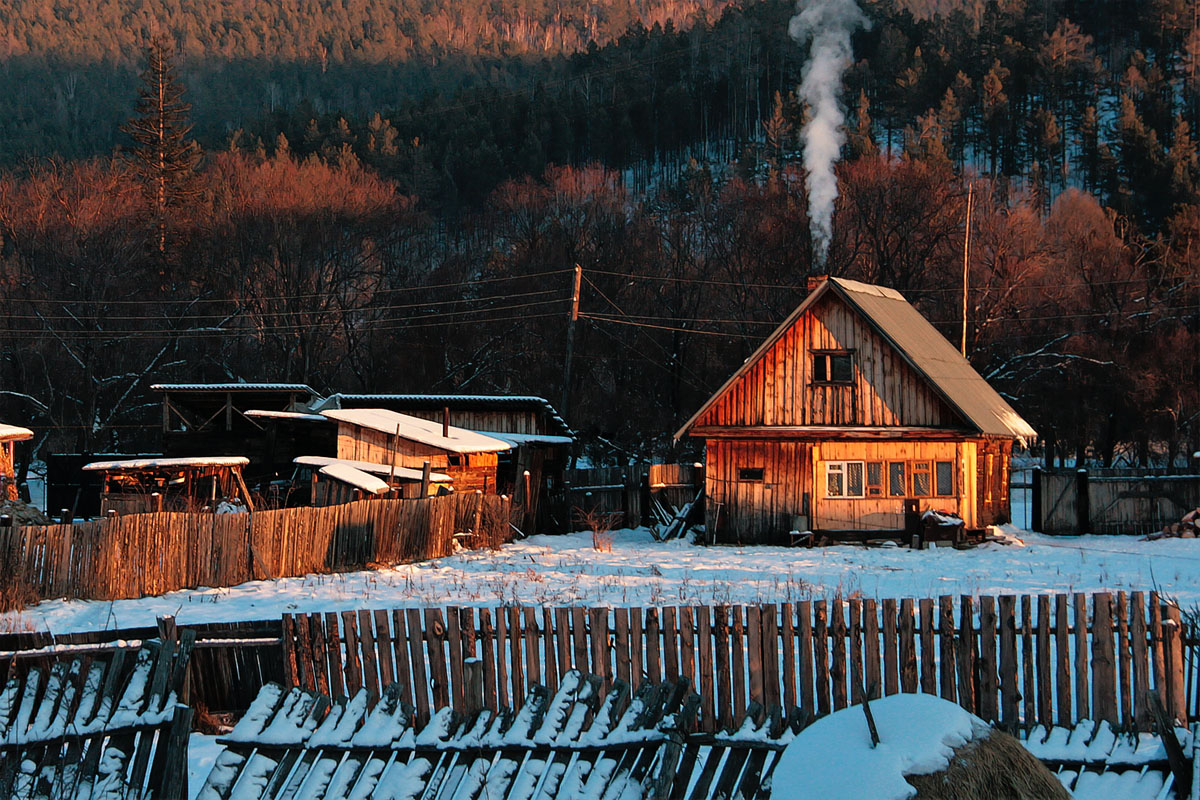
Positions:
(392, 196)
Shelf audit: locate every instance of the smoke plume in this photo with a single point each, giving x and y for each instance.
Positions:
(828, 25)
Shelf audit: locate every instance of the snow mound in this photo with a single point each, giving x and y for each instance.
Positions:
(833, 759)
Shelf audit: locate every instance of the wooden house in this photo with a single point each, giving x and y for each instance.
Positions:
(854, 408)
(9, 436)
(540, 441)
(380, 436)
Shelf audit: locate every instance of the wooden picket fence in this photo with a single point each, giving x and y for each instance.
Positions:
(1017, 661)
(149, 554)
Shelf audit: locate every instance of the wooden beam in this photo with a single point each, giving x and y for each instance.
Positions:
(821, 433)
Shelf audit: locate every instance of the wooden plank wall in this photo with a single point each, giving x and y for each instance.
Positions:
(1018, 661)
(1119, 501)
(757, 511)
(778, 388)
(145, 554)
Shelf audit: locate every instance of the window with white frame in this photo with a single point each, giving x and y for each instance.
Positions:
(844, 479)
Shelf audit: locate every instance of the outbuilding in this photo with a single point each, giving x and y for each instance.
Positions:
(855, 416)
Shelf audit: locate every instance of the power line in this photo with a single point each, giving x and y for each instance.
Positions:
(313, 295)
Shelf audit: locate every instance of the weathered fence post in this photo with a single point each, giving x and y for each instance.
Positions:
(1083, 512)
(1036, 519)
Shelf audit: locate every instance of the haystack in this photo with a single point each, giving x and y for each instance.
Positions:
(22, 513)
(928, 749)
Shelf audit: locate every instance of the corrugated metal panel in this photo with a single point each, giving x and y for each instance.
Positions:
(931, 354)
(233, 387)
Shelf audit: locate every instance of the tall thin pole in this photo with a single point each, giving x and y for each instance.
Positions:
(966, 265)
(566, 388)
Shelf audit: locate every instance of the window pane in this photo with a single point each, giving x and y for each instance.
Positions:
(896, 481)
(854, 479)
(874, 478)
(843, 368)
(835, 480)
(750, 474)
(920, 484)
(945, 478)
(820, 368)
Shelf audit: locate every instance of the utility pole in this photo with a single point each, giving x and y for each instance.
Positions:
(566, 388)
(966, 265)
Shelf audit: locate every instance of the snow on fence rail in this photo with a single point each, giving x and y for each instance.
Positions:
(575, 742)
(1048, 660)
(97, 725)
(142, 554)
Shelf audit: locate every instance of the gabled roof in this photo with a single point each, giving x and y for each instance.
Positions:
(420, 430)
(921, 345)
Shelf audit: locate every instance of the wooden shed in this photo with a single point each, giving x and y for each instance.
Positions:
(9, 436)
(380, 436)
(853, 406)
(268, 423)
(540, 440)
(142, 485)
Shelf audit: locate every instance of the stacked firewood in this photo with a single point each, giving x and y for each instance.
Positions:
(1186, 528)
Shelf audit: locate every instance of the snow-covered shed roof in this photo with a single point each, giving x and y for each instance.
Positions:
(415, 429)
(14, 433)
(455, 402)
(294, 416)
(167, 463)
(401, 473)
(920, 344)
(356, 478)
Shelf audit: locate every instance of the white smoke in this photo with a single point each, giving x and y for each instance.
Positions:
(828, 24)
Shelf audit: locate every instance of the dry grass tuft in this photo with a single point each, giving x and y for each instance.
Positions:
(995, 767)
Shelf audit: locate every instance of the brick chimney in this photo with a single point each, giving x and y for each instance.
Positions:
(816, 280)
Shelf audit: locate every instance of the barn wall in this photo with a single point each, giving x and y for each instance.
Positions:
(778, 390)
(756, 512)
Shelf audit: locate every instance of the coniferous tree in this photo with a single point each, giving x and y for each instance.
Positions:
(164, 155)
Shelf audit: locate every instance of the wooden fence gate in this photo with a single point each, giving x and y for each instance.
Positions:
(1110, 501)
(1016, 661)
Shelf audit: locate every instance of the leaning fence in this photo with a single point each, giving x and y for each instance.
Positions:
(143, 554)
(1017, 661)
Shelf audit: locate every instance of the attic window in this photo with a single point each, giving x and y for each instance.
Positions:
(833, 366)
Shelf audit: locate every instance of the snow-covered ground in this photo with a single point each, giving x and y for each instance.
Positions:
(566, 570)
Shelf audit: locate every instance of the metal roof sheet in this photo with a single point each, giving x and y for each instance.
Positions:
(926, 350)
(453, 401)
(415, 429)
(232, 387)
(400, 473)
